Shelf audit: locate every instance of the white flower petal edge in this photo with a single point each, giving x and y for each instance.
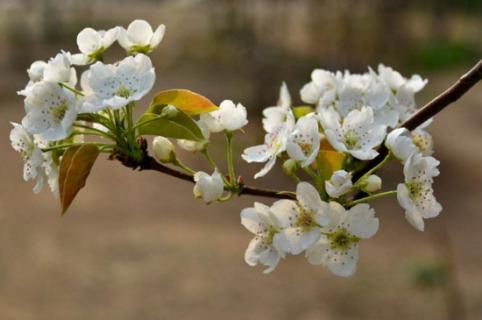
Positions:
(208, 187)
(93, 43)
(115, 86)
(337, 248)
(260, 221)
(416, 194)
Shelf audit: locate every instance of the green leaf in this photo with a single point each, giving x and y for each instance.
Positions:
(187, 101)
(75, 167)
(176, 124)
(302, 111)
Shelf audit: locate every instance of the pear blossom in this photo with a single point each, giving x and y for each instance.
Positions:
(357, 134)
(300, 220)
(23, 142)
(208, 187)
(57, 69)
(163, 149)
(415, 195)
(281, 113)
(339, 184)
(107, 85)
(38, 165)
(422, 139)
(338, 246)
(274, 144)
(229, 117)
(139, 37)
(193, 146)
(304, 142)
(51, 111)
(262, 222)
(323, 88)
(400, 144)
(403, 90)
(92, 43)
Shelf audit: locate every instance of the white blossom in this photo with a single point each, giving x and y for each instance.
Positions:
(415, 195)
(274, 144)
(229, 117)
(403, 90)
(107, 85)
(400, 144)
(208, 187)
(304, 142)
(261, 221)
(281, 113)
(92, 43)
(51, 111)
(422, 139)
(300, 220)
(339, 184)
(357, 134)
(322, 90)
(337, 249)
(139, 37)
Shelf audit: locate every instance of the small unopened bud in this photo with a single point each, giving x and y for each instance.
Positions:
(169, 112)
(290, 167)
(372, 183)
(163, 150)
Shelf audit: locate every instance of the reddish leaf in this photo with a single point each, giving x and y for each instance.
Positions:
(75, 167)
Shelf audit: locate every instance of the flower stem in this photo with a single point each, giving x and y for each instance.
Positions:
(184, 167)
(374, 169)
(77, 92)
(68, 145)
(372, 197)
(229, 158)
(95, 131)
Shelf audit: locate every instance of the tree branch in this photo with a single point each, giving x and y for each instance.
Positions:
(151, 164)
(452, 94)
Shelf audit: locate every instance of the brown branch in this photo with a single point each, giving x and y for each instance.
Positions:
(437, 104)
(452, 94)
(151, 164)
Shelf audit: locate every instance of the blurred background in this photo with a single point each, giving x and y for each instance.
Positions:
(138, 246)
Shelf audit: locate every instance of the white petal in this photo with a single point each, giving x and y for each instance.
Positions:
(296, 240)
(140, 32)
(309, 197)
(158, 36)
(88, 40)
(361, 221)
(286, 212)
(342, 263)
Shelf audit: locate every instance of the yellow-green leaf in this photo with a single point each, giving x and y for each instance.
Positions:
(176, 125)
(302, 111)
(75, 167)
(185, 100)
(329, 160)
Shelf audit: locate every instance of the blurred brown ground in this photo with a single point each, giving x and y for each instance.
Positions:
(138, 246)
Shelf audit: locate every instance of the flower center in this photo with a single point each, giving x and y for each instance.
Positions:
(123, 92)
(414, 188)
(305, 147)
(342, 239)
(270, 235)
(420, 141)
(305, 218)
(59, 111)
(351, 139)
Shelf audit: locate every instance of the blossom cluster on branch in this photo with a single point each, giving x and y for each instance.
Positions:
(322, 144)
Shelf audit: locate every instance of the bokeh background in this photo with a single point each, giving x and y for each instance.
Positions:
(138, 246)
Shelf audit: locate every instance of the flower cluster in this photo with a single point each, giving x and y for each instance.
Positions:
(348, 117)
(328, 141)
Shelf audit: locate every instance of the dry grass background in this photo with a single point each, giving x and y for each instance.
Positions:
(138, 246)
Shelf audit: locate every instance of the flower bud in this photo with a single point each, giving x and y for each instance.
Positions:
(163, 150)
(208, 187)
(372, 183)
(169, 112)
(290, 167)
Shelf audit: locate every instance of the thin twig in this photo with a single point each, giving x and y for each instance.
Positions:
(452, 94)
